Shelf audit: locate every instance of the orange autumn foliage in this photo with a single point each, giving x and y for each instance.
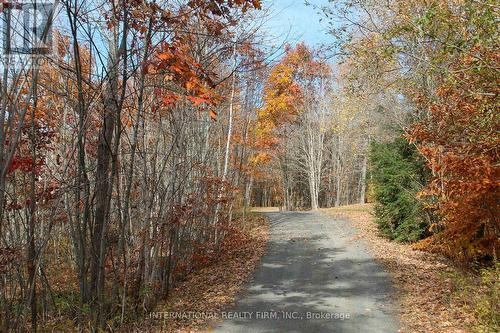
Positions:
(460, 139)
(285, 92)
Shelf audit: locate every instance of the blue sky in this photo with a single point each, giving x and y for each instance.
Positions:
(301, 21)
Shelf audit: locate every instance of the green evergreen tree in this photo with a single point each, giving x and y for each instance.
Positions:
(398, 173)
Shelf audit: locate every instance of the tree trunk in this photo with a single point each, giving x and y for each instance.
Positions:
(362, 193)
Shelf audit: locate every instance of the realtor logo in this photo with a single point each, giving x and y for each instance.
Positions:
(26, 27)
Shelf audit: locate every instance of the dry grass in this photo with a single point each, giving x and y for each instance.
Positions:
(264, 209)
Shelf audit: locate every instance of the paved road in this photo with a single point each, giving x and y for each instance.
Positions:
(313, 270)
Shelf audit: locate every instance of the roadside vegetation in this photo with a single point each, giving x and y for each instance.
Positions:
(213, 287)
(397, 175)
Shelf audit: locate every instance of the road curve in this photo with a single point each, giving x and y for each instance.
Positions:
(314, 278)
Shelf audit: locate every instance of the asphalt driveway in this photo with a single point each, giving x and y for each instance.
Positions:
(315, 277)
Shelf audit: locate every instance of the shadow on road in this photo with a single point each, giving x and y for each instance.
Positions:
(314, 278)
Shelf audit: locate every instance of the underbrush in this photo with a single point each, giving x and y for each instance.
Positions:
(213, 286)
(479, 293)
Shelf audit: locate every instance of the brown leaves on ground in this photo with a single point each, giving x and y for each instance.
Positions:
(212, 289)
(422, 280)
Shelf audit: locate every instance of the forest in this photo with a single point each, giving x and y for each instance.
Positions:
(138, 134)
